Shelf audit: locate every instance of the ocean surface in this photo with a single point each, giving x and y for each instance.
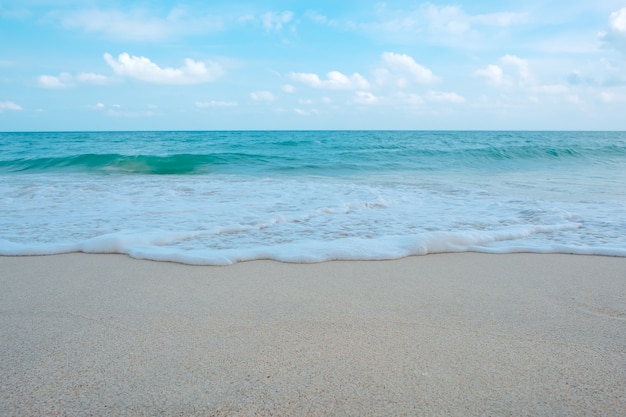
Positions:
(309, 196)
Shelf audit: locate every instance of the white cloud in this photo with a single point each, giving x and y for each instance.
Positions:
(444, 97)
(335, 81)
(499, 19)
(496, 76)
(288, 88)
(304, 112)
(140, 25)
(550, 89)
(521, 65)
(453, 20)
(612, 97)
(65, 80)
(130, 114)
(214, 103)
(513, 75)
(275, 21)
(365, 97)
(493, 74)
(51, 81)
(262, 96)
(616, 35)
(401, 69)
(116, 110)
(246, 18)
(450, 19)
(143, 69)
(90, 77)
(9, 105)
(413, 99)
(617, 20)
(436, 24)
(321, 19)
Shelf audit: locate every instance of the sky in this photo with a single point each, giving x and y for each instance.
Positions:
(344, 64)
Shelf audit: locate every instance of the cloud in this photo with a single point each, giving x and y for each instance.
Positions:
(9, 105)
(617, 20)
(401, 69)
(335, 80)
(401, 98)
(52, 82)
(435, 24)
(116, 110)
(612, 97)
(304, 112)
(101, 106)
(550, 89)
(453, 19)
(449, 19)
(365, 97)
(319, 18)
(496, 76)
(140, 25)
(275, 21)
(139, 68)
(444, 97)
(90, 77)
(493, 74)
(262, 96)
(513, 75)
(615, 36)
(130, 114)
(412, 99)
(214, 103)
(521, 65)
(66, 80)
(143, 69)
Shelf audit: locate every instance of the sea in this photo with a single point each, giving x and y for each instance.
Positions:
(221, 197)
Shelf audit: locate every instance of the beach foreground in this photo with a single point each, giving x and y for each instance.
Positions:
(451, 335)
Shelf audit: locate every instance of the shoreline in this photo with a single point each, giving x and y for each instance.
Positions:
(443, 334)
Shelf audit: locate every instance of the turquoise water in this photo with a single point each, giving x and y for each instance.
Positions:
(223, 197)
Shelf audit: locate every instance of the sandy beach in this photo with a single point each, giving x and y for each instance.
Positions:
(439, 335)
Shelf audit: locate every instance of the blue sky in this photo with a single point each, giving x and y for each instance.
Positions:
(152, 65)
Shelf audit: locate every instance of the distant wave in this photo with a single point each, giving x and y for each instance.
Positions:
(130, 164)
(333, 159)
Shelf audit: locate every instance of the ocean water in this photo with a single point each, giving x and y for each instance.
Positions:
(309, 196)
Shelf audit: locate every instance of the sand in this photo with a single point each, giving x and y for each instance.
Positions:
(439, 335)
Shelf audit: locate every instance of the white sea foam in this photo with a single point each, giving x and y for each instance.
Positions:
(226, 219)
